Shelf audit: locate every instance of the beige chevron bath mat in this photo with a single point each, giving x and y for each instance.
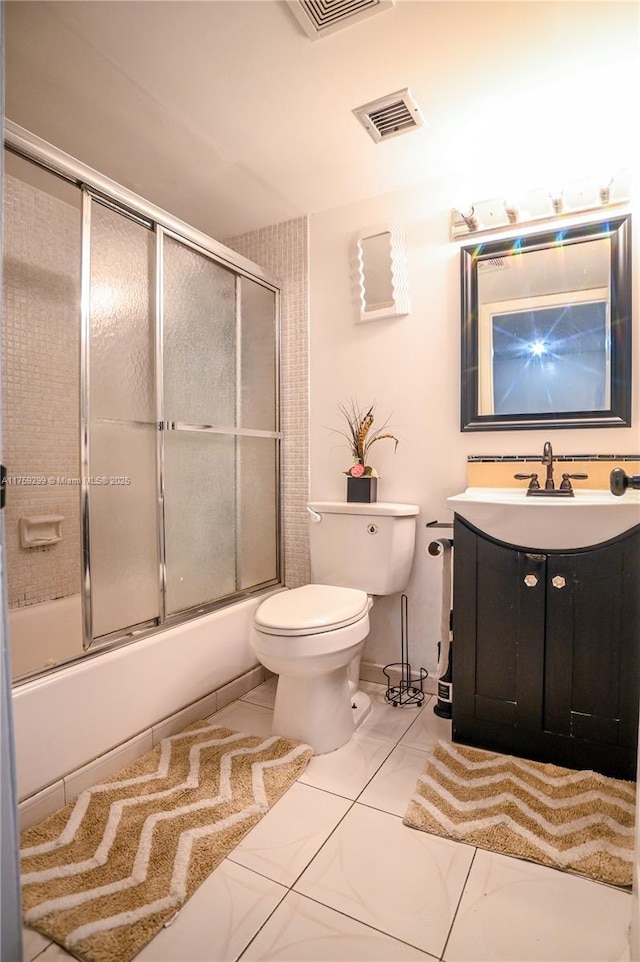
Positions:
(103, 875)
(577, 821)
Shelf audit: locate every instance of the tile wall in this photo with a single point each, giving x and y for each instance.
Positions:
(40, 406)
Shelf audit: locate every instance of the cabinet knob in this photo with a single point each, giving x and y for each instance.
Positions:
(530, 581)
(558, 581)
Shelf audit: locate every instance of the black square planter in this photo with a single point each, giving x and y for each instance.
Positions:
(362, 489)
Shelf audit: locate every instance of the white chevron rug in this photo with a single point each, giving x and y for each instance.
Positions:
(103, 875)
(578, 821)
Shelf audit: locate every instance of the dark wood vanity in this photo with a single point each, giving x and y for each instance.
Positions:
(547, 650)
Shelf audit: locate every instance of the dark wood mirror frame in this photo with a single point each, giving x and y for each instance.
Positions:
(618, 413)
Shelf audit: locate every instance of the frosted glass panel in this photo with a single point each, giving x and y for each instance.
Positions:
(124, 554)
(258, 365)
(122, 330)
(257, 543)
(199, 338)
(200, 508)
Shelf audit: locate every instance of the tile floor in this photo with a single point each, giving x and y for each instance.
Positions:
(331, 873)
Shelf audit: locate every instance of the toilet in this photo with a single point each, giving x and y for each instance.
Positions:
(312, 637)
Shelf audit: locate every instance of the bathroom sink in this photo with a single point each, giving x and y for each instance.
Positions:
(552, 524)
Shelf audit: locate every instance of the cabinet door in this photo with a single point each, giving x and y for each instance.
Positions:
(499, 614)
(592, 651)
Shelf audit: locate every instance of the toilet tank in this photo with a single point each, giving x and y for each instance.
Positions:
(367, 546)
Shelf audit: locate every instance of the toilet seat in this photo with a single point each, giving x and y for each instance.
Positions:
(310, 610)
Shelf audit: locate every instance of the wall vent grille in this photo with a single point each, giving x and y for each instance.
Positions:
(318, 18)
(397, 113)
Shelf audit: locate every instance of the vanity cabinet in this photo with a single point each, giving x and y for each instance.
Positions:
(547, 650)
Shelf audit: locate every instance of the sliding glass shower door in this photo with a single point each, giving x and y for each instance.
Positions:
(220, 450)
(140, 398)
(182, 462)
(119, 400)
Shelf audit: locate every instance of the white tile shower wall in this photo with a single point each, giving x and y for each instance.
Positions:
(41, 354)
(283, 251)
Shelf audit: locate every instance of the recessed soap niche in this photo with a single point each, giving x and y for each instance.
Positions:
(38, 531)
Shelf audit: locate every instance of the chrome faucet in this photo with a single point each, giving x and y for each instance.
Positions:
(547, 458)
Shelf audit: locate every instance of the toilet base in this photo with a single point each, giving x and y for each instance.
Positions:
(318, 710)
(361, 707)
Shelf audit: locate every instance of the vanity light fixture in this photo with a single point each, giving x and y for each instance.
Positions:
(470, 219)
(539, 205)
(604, 192)
(557, 201)
(512, 211)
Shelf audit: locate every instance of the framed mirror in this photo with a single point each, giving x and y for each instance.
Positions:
(381, 276)
(546, 329)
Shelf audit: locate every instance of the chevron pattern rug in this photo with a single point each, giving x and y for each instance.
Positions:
(103, 875)
(578, 821)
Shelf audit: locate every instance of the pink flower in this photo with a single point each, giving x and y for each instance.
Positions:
(357, 470)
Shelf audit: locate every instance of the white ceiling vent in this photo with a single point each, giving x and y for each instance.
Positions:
(318, 18)
(389, 116)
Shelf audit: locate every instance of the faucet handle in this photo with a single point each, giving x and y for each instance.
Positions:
(566, 482)
(534, 484)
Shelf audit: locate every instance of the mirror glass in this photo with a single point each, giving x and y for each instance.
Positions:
(376, 270)
(381, 274)
(546, 329)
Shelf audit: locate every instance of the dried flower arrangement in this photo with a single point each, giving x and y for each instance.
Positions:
(361, 436)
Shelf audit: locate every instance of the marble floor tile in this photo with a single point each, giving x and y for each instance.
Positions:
(395, 782)
(264, 694)
(331, 874)
(32, 944)
(301, 930)
(242, 716)
(427, 729)
(219, 920)
(517, 911)
(347, 770)
(283, 843)
(403, 882)
(385, 721)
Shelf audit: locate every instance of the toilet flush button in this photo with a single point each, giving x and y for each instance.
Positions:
(372, 528)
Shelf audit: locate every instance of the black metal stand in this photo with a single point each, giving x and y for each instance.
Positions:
(406, 692)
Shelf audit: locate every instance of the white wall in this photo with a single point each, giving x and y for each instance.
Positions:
(410, 367)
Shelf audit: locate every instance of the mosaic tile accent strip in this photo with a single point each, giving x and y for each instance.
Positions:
(493, 459)
(499, 470)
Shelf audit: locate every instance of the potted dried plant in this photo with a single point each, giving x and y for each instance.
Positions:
(362, 479)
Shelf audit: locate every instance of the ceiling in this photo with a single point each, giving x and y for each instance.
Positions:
(226, 114)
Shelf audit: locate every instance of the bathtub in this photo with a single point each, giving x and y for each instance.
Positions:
(69, 717)
(42, 635)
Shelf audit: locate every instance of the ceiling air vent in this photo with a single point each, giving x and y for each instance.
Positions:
(318, 18)
(389, 116)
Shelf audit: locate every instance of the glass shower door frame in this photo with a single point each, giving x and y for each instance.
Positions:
(165, 425)
(165, 619)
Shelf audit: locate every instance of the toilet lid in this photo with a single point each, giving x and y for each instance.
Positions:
(311, 609)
